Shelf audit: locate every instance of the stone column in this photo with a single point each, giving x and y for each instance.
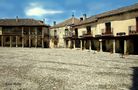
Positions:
(10, 41)
(125, 46)
(65, 44)
(22, 37)
(69, 44)
(81, 44)
(90, 48)
(114, 46)
(74, 46)
(42, 39)
(2, 41)
(84, 46)
(35, 37)
(16, 41)
(101, 46)
(29, 37)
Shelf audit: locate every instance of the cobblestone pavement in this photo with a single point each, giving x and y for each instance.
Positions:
(65, 69)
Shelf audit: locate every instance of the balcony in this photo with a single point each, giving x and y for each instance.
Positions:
(132, 30)
(87, 34)
(107, 33)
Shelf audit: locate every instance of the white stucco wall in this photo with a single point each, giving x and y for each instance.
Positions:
(122, 26)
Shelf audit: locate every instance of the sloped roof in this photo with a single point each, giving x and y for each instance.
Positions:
(71, 21)
(109, 13)
(21, 22)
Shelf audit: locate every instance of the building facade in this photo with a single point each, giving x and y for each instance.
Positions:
(59, 31)
(114, 31)
(23, 33)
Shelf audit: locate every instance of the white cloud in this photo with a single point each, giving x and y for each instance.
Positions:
(37, 9)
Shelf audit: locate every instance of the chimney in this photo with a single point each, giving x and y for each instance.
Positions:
(73, 18)
(54, 23)
(43, 20)
(81, 18)
(84, 16)
(17, 19)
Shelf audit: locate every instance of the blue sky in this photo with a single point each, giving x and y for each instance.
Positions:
(57, 10)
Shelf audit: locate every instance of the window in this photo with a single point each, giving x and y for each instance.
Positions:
(88, 30)
(108, 27)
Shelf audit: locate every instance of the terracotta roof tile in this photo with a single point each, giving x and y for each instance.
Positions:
(71, 21)
(21, 22)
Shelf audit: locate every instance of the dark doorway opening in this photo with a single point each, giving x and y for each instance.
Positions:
(121, 46)
(104, 45)
(135, 43)
(46, 45)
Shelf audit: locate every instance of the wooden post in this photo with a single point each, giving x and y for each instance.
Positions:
(10, 41)
(29, 37)
(114, 46)
(42, 38)
(22, 37)
(35, 37)
(2, 41)
(16, 41)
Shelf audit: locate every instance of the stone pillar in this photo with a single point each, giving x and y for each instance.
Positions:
(101, 46)
(114, 46)
(29, 37)
(22, 37)
(81, 44)
(69, 44)
(35, 37)
(65, 44)
(125, 46)
(10, 41)
(84, 46)
(90, 48)
(16, 41)
(2, 41)
(74, 44)
(42, 39)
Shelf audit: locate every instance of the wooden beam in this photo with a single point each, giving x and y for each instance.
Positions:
(42, 38)
(16, 41)
(29, 37)
(2, 41)
(22, 37)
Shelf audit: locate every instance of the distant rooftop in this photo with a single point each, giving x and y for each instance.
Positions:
(110, 13)
(21, 22)
(70, 21)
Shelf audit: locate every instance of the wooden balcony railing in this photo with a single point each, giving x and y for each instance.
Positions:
(85, 33)
(104, 32)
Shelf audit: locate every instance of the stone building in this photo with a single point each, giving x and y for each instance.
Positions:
(23, 33)
(114, 31)
(61, 30)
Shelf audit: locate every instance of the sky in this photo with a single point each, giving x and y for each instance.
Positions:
(57, 10)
